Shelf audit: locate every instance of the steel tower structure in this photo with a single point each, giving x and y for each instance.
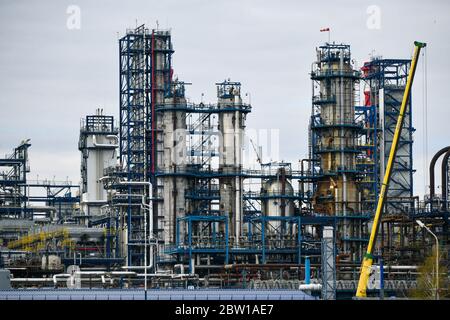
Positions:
(13, 179)
(145, 75)
(386, 79)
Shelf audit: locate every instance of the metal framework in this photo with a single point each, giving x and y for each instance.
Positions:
(61, 195)
(13, 180)
(279, 240)
(144, 77)
(328, 265)
(386, 79)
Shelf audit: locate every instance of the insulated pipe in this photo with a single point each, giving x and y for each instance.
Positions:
(95, 202)
(113, 136)
(444, 173)
(311, 287)
(60, 275)
(432, 164)
(104, 145)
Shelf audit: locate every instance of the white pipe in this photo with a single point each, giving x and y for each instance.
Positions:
(97, 273)
(336, 197)
(103, 145)
(31, 280)
(401, 267)
(123, 273)
(127, 195)
(237, 163)
(143, 183)
(173, 276)
(181, 267)
(311, 286)
(95, 202)
(113, 136)
(58, 276)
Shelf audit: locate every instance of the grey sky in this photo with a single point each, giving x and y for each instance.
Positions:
(53, 76)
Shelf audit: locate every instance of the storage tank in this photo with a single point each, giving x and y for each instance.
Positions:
(277, 202)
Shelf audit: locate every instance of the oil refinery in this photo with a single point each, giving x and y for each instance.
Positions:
(166, 199)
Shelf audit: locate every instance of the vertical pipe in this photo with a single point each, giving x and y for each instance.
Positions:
(190, 245)
(381, 278)
(307, 270)
(263, 239)
(145, 242)
(432, 165)
(226, 240)
(444, 182)
(237, 164)
(153, 98)
(117, 251)
(299, 239)
(178, 244)
(150, 209)
(301, 182)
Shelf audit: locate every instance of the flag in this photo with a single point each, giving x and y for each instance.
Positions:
(326, 29)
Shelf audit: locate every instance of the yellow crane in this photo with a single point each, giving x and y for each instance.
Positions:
(368, 258)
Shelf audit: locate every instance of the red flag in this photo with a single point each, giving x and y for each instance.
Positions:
(326, 29)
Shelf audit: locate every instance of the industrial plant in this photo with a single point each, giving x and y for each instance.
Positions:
(167, 200)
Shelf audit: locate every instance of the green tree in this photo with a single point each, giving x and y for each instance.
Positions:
(426, 281)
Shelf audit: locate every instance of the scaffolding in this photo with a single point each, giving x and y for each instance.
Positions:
(145, 75)
(386, 80)
(13, 178)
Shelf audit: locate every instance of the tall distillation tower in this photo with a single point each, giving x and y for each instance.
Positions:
(145, 76)
(231, 126)
(334, 144)
(174, 157)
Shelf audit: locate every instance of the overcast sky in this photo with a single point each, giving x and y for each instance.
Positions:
(53, 73)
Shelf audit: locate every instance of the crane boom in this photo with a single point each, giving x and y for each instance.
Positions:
(368, 258)
(258, 156)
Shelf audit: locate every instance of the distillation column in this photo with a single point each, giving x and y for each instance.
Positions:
(231, 127)
(335, 135)
(161, 50)
(174, 159)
